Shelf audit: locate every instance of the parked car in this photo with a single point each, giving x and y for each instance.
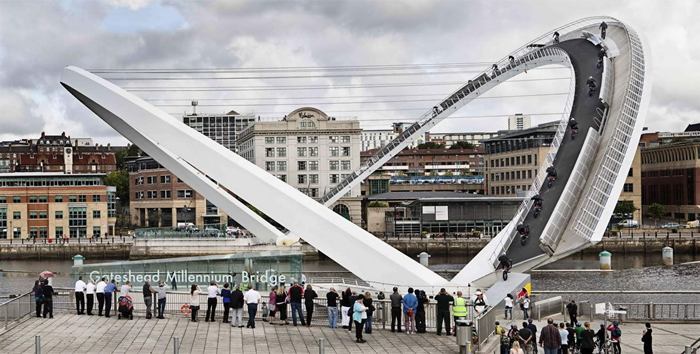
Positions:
(628, 223)
(671, 225)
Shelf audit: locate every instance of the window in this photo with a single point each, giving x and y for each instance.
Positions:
(33, 215)
(138, 180)
(345, 139)
(630, 173)
(313, 165)
(96, 198)
(16, 215)
(165, 179)
(301, 139)
(345, 165)
(33, 199)
(269, 165)
(96, 231)
(301, 165)
(16, 199)
(138, 195)
(283, 178)
(165, 194)
(313, 151)
(269, 152)
(43, 215)
(313, 179)
(151, 179)
(184, 193)
(3, 200)
(628, 187)
(333, 139)
(281, 140)
(58, 199)
(269, 140)
(333, 165)
(334, 151)
(301, 151)
(58, 214)
(301, 179)
(345, 151)
(59, 232)
(313, 139)
(281, 165)
(82, 198)
(95, 214)
(333, 178)
(152, 194)
(281, 152)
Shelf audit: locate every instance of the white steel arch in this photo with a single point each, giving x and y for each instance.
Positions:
(184, 150)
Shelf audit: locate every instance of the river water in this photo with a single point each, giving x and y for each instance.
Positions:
(631, 272)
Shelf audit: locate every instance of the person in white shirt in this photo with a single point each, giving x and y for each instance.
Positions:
(80, 296)
(194, 301)
(90, 296)
(212, 292)
(100, 290)
(251, 297)
(509, 305)
(125, 289)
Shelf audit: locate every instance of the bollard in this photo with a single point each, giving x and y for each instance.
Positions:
(688, 350)
(605, 258)
(176, 345)
(37, 344)
(464, 336)
(423, 257)
(321, 346)
(667, 256)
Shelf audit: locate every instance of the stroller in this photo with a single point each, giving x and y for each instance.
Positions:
(126, 307)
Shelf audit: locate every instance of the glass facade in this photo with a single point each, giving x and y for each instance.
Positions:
(77, 221)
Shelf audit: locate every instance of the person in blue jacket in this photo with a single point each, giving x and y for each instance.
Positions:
(410, 306)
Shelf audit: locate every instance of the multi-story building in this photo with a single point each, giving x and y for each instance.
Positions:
(56, 153)
(632, 190)
(160, 199)
(671, 172)
(437, 162)
(449, 139)
(512, 159)
(310, 151)
(55, 205)
(222, 128)
(376, 138)
(518, 121)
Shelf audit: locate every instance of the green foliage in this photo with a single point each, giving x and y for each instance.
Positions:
(462, 145)
(625, 207)
(377, 204)
(430, 145)
(119, 179)
(656, 210)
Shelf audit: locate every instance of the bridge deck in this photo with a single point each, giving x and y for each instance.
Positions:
(70, 333)
(584, 56)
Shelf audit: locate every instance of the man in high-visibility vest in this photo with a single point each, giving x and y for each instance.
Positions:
(459, 310)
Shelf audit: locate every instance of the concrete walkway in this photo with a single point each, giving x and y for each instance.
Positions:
(69, 333)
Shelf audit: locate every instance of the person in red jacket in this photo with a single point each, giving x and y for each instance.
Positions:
(615, 336)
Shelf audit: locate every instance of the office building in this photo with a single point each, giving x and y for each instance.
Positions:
(50, 205)
(222, 128)
(449, 139)
(518, 121)
(160, 199)
(376, 138)
(310, 151)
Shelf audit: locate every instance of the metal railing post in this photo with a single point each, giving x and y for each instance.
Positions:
(321, 346)
(176, 345)
(37, 344)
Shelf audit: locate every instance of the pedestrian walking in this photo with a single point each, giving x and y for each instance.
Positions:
(420, 312)
(442, 308)
(550, 339)
(396, 301)
(359, 316)
(38, 292)
(564, 335)
(571, 337)
(48, 299)
(272, 300)
(410, 305)
(572, 309)
(615, 336)
(600, 338)
(603, 29)
(80, 296)
(194, 301)
(281, 304)
(345, 305)
(173, 284)
(296, 293)
(556, 38)
(525, 306)
(100, 293)
(524, 337)
(309, 297)
(147, 291)
(367, 302)
(226, 301)
(237, 302)
(508, 301)
(647, 339)
(90, 290)
(533, 328)
(109, 290)
(252, 298)
(332, 305)
(459, 310)
(503, 336)
(162, 296)
(212, 292)
(587, 339)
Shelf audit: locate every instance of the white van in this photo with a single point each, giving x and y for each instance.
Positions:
(628, 223)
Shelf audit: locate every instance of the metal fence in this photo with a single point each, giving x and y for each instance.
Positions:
(661, 312)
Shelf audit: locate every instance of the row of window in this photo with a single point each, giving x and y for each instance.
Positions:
(514, 161)
(310, 139)
(513, 175)
(334, 165)
(508, 190)
(42, 232)
(50, 182)
(57, 199)
(313, 179)
(165, 179)
(96, 214)
(166, 194)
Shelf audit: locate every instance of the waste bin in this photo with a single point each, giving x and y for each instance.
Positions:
(464, 336)
(622, 316)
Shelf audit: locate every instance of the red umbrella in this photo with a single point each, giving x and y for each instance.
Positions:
(46, 274)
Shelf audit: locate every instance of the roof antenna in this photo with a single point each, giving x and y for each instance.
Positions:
(194, 107)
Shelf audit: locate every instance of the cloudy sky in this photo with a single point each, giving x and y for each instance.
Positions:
(39, 38)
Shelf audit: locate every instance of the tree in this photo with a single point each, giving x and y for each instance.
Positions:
(656, 211)
(625, 207)
(430, 145)
(119, 179)
(462, 145)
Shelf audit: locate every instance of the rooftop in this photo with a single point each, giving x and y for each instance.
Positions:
(437, 196)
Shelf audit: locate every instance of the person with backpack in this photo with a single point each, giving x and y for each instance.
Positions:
(503, 335)
(615, 336)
